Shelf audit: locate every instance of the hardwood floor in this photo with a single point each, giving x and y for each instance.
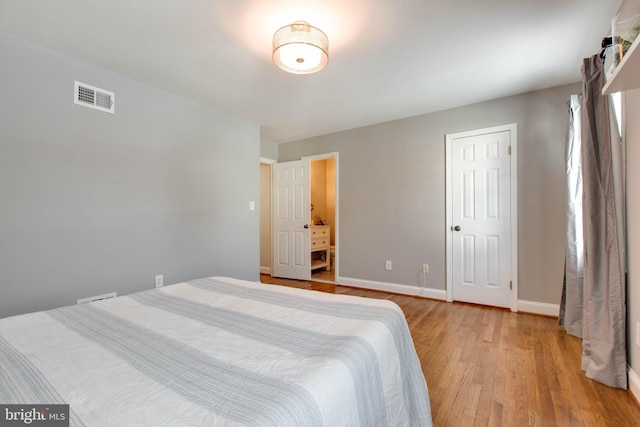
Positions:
(323, 275)
(490, 367)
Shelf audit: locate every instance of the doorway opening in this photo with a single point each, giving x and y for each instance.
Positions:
(265, 215)
(304, 229)
(323, 219)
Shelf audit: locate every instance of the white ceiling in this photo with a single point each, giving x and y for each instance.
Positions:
(388, 59)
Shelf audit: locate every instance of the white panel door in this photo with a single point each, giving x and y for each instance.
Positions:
(291, 210)
(480, 217)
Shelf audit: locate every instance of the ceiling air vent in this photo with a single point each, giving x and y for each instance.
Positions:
(93, 97)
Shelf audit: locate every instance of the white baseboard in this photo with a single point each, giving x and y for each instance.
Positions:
(394, 287)
(634, 384)
(265, 270)
(539, 308)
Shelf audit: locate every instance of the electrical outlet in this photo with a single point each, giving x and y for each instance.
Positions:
(252, 205)
(387, 265)
(159, 280)
(425, 268)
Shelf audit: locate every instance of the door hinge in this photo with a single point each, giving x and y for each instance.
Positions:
(511, 285)
(509, 149)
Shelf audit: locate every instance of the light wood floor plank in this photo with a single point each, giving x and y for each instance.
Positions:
(487, 366)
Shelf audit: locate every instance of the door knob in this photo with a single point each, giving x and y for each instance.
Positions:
(456, 228)
(306, 226)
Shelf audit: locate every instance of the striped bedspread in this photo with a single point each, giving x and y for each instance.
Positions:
(218, 352)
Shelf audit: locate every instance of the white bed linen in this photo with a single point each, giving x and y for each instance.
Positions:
(219, 352)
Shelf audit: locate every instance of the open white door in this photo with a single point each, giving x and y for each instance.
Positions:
(291, 210)
(481, 213)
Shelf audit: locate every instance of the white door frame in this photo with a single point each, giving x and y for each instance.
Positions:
(333, 155)
(512, 128)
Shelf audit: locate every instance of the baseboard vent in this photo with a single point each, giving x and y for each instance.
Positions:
(93, 97)
(97, 298)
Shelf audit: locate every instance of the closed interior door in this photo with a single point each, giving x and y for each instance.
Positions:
(480, 217)
(291, 244)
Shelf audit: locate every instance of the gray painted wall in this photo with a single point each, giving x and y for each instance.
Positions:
(268, 149)
(392, 190)
(93, 202)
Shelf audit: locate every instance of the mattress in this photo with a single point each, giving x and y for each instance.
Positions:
(220, 352)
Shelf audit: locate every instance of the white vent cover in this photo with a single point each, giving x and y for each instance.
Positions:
(97, 298)
(93, 97)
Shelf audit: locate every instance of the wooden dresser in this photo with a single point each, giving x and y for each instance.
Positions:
(320, 242)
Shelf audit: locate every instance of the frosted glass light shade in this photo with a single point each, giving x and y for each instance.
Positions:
(300, 48)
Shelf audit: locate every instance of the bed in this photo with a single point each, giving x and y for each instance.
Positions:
(220, 352)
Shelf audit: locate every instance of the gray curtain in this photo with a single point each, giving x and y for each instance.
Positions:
(571, 308)
(596, 310)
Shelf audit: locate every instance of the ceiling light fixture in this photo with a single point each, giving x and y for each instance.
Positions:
(300, 48)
